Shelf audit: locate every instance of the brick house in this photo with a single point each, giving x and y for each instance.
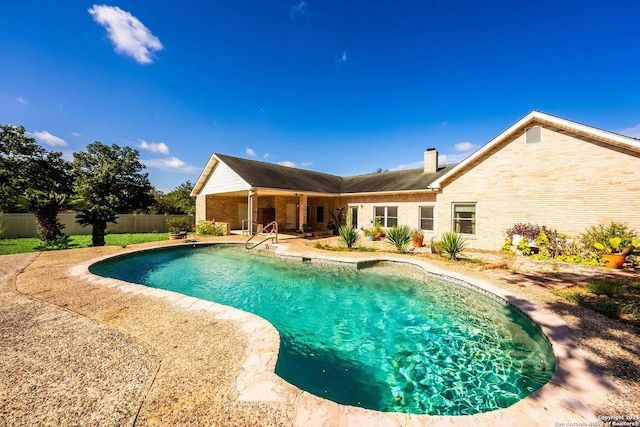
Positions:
(543, 169)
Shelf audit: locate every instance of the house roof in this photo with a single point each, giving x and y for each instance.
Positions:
(403, 180)
(271, 176)
(268, 175)
(618, 141)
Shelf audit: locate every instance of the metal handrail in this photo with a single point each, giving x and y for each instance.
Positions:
(270, 231)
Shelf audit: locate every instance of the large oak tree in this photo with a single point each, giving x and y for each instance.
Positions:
(110, 180)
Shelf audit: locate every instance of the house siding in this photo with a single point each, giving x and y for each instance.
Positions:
(408, 207)
(224, 180)
(566, 182)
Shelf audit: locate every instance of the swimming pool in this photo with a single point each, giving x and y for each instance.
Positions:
(385, 337)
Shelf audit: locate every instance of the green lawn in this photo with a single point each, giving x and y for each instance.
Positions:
(18, 246)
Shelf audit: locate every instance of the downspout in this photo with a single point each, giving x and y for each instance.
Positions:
(250, 213)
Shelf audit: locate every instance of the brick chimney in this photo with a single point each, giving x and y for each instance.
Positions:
(431, 161)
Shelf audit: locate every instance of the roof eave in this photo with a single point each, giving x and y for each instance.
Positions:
(542, 117)
(204, 176)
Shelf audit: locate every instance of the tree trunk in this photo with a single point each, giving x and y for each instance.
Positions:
(47, 224)
(97, 234)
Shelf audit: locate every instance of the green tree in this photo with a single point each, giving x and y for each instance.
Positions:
(110, 180)
(97, 217)
(45, 207)
(34, 179)
(24, 164)
(177, 201)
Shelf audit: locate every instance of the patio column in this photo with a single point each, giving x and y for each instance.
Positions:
(252, 213)
(302, 210)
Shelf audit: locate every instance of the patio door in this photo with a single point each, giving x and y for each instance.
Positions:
(354, 216)
(291, 222)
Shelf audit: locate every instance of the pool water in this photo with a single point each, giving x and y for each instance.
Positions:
(385, 337)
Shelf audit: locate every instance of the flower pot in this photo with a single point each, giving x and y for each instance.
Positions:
(515, 239)
(613, 260)
(178, 236)
(417, 242)
(370, 237)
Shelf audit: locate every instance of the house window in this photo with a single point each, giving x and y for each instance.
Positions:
(464, 218)
(388, 215)
(319, 214)
(426, 218)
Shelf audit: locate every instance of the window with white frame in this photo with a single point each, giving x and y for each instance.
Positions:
(388, 215)
(464, 218)
(426, 218)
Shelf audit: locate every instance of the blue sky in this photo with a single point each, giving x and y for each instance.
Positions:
(342, 87)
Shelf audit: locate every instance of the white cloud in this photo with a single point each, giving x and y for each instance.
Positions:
(287, 163)
(633, 132)
(450, 159)
(465, 147)
(414, 165)
(21, 100)
(340, 58)
(250, 152)
(299, 11)
(170, 163)
(127, 33)
(154, 147)
(47, 138)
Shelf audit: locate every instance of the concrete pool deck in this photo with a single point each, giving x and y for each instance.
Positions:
(83, 350)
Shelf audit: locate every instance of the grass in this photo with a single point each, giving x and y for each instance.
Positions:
(617, 299)
(23, 245)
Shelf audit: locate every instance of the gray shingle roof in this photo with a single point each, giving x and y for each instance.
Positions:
(269, 175)
(403, 180)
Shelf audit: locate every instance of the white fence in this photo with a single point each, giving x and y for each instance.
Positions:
(24, 225)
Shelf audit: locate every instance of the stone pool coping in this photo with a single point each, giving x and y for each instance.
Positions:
(566, 398)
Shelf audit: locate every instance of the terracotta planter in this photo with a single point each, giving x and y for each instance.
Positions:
(417, 242)
(613, 260)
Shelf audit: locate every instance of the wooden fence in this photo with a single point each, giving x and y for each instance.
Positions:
(24, 225)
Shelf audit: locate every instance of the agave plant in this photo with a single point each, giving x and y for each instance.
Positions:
(400, 236)
(348, 235)
(452, 244)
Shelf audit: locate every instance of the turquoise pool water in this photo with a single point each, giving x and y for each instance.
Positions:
(385, 337)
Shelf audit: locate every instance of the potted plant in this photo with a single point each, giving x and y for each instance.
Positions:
(307, 230)
(519, 231)
(379, 231)
(371, 233)
(417, 237)
(614, 252)
(178, 227)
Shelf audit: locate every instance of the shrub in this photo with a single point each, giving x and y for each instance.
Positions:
(400, 237)
(452, 244)
(608, 307)
(575, 294)
(348, 235)
(603, 234)
(176, 225)
(206, 228)
(530, 231)
(610, 288)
